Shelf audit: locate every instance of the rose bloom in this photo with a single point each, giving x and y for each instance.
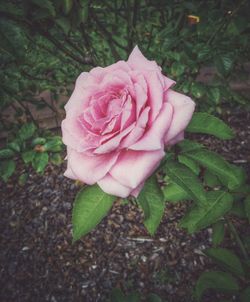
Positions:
(118, 121)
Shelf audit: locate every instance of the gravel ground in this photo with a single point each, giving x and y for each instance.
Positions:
(39, 262)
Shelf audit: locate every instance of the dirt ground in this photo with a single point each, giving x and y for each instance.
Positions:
(39, 262)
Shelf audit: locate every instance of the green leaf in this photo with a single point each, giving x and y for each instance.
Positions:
(177, 69)
(153, 298)
(67, 6)
(46, 4)
(247, 207)
(216, 280)
(230, 175)
(214, 95)
(26, 131)
(6, 153)
(22, 179)
(83, 11)
(53, 145)
(151, 200)
(211, 180)
(227, 259)
(38, 141)
(91, 205)
(205, 123)
(7, 168)
(64, 24)
(117, 295)
(191, 164)
(28, 156)
(199, 217)
(11, 9)
(197, 89)
(187, 146)
(187, 180)
(245, 295)
(174, 193)
(14, 145)
(40, 161)
(56, 159)
(133, 297)
(238, 209)
(218, 232)
(224, 64)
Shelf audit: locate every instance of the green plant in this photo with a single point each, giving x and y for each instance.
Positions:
(33, 146)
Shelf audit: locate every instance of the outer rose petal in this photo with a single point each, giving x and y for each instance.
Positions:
(100, 72)
(80, 94)
(137, 190)
(153, 138)
(179, 137)
(183, 111)
(111, 186)
(90, 169)
(137, 61)
(74, 135)
(133, 167)
(69, 173)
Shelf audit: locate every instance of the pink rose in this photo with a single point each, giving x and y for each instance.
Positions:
(118, 120)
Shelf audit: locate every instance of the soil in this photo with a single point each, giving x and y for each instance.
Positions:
(39, 262)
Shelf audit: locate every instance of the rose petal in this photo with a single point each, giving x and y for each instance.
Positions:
(155, 93)
(75, 135)
(69, 173)
(153, 139)
(114, 142)
(138, 130)
(168, 83)
(183, 111)
(179, 137)
(128, 113)
(141, 98)
(90, 169)
(137, 61)
(133, 167)
(111, 186)
(137, 190)
(80, 95)
(100, 72)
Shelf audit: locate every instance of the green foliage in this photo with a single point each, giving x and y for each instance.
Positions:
(247, 207)
(26, 131)
(91, 205)
(118, 296)
(7, 168)
(226, 259)
(208, 124)
(187, 180)
(216, 280)
(230, 175)
(218, 229)
(199, 217)
(151, 200)
(33, 146)
(40, 161)
(174, 193)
